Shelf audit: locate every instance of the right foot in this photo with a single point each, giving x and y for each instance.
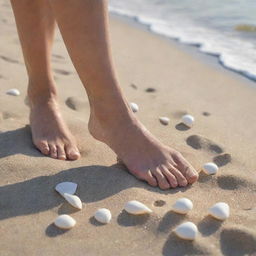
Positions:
(50, 134)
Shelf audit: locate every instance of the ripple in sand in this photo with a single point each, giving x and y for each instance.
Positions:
(222, 159)
(205, 113)
(199, 142)
(8, 59)
(62, 72)
(75, 103)
(150, 89)
(238, 241)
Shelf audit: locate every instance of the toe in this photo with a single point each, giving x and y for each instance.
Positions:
(42, 146)
(61, 152)
(170, 177)
(186, 169)
(72, 152)
(162, 181)
(53, 150)
(151, 180)
(182, 181)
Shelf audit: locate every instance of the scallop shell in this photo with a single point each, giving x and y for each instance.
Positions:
(103, 215)
(164, 120)
(136, 208)
(65, 222)
(220, 211)
(134, 107)
(187, 231)
(182, 206)
(210, 168)
(66, 187)
(73, 200)
(14, 92)
(188, 120)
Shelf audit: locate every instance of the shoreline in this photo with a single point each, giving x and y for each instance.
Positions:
(193, 50)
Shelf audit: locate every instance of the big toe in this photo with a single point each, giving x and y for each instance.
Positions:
(42, 146)
(72, 152)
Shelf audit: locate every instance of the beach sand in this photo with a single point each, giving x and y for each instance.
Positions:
(224, 132)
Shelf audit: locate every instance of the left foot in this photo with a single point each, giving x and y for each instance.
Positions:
(145, 156)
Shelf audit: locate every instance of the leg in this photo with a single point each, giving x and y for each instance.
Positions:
(86, 37)
(36, 24)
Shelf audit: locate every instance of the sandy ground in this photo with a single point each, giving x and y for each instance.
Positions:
(224, 132)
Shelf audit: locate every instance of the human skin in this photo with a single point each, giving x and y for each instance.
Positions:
(87, 40)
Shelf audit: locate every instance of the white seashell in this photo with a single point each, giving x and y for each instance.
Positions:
(220, 211)
(136, 208)
(14, 92)
(164, 120)
(210, 168)
(73, 200)
(188, 120)
(66, 187)
(134, 107)
(182, 206)
(187, 231)
(65, 222)
(103, 215)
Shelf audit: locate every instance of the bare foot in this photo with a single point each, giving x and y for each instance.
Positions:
(145, 156)
(50, 134)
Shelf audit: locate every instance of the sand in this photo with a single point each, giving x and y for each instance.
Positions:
(224, 132)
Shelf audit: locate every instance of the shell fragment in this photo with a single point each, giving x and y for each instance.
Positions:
(103, 215)
(188, 120)
(66, 187)
(136, 208)
(182, 206)
(13, 92)
(210, 168)
(187, 231)
(73, 200)
(65, 222)
(134, 107)
(164, 120)
(220, 211)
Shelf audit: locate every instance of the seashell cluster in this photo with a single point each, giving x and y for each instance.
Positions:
(220, 211)
(136, 208)
(187, 231)
(210, 168)
(188, 120)
(134, 107)
(164, 120)
(182, 206)
(64, 221)
(103, 215)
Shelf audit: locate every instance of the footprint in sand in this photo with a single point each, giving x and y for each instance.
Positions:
(8, 59)
(231, 182)
(199, 142)
(76, 103)
(57, 56)
(159, 203)
(8, 115)
(238, 241)
(222, 159)
(62, 72)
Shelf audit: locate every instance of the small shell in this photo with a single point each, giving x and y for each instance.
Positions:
(73, 200)
(136, 208)
(188, 120)
(182, 206)
(187, 231)
(164, 120)
(14, 92)
(134, 107)
(65, 222)
(220, 211)
(66, 187)
(103, 215)
(210, 168)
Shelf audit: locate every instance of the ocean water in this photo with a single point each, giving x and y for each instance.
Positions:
(224, 28)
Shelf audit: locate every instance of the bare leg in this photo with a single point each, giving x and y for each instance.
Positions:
(36, 24)
(111, 120)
